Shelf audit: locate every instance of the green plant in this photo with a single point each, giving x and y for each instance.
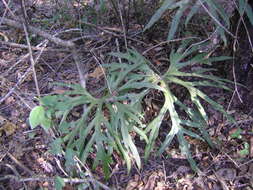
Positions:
(113, 122)
(213, 9)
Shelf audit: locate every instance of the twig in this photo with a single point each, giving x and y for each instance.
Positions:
(81, 72)
(239, 122)
(166, 42)
(56, 40)
(23, 46)
(244, 24)
(107, 30)
(231, 100)
(5, 11)
(20, 164)
(122, 25)
(7, 8)
(217, 21)
(246, 163)
(21, 78)
(59, 165)
(15, 64)
(117, 45)
(25, 26)
(15, 172)
(222, 181)
(235, 163)
(80, 68)
(92, 179)
(99, 64)
(234, 50)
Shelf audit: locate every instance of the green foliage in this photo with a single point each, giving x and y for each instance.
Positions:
(59, 183)
(113, 122)
(245, 151)
(38, 117)
(197, 117)
(214, 10)
(244, 7)
(237, 134)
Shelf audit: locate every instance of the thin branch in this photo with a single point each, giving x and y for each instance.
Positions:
(122, 24)
(167, 42)
(20, 164)
(8, 8)
(99, 64)
(32, 60)
(58, 41)
(23, 46)
(21, 78)
(216, 20)
(5, 11)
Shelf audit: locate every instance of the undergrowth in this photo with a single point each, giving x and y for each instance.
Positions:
(113, 122)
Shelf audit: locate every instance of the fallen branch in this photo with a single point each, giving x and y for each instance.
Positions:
(23, 46)
(56, 40)
(39, 32)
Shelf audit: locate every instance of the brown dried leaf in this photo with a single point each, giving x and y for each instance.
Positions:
(97, 73)
(7, 127)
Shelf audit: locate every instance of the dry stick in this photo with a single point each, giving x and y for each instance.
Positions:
(15, 64)
(100, 65)
(111, 33)
(250, 42)
(15, 172)
(234, 50)
(79, 66)
(122, 24)
(50, 179)
(244, 24)
(20, 79)
(8, 8)
(217, 21)
(167, 42)
(60, 167)
(39, 32)
(30, 105)
(32, 60)
(20, 164)
(56, 40)
(92, 179)
(5, 11)
(22, 46)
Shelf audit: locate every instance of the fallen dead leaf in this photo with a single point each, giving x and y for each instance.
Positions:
(7, 127)
(97, 73)
(132, 185)
(45, 165)
(9, 100)
(151, 182)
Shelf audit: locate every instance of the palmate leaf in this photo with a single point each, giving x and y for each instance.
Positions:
(165, 6)
(197, 115)
(244, 7)
(217, 9)
(213, 9)
(184, 147)
(176, 21)
(193, 11)
(112, 122)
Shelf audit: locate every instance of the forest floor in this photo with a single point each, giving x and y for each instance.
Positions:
(25, 160)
